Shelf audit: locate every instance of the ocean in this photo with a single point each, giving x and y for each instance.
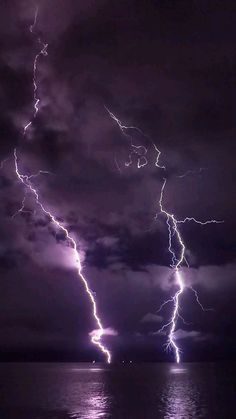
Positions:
(126, 391)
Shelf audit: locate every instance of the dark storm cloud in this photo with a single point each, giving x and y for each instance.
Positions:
(168, 68)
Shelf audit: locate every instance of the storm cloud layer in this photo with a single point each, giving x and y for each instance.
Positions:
(167, 67)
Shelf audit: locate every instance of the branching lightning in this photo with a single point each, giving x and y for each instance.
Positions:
(26, 181)
(176, 249)
(177, 260)
(139, 151)
(21, 209)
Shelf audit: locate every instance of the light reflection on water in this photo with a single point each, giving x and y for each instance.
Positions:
(179, 399)
(90, 400)
(180, 396)
(85, 369)
(178, 370)
(148, 391)
(95, 407)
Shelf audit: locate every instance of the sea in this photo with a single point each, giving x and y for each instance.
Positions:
(125, 391)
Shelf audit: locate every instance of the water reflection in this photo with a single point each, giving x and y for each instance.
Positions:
(85, 369)
(175, 395)
(148, 391)
(93, 407)
(181, 398)
(93, 392)
(88, 400)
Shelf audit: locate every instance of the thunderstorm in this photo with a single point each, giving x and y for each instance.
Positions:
(117, 186)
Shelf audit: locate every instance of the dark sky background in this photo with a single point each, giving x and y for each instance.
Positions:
(169, 68)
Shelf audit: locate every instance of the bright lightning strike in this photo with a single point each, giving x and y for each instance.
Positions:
(177, 261)
(43, 51)
(97, 335)
(26, 180)
(177, 251)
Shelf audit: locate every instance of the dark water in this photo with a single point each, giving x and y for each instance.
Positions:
(145, 391)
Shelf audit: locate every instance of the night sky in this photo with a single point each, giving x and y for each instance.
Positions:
(167, 67)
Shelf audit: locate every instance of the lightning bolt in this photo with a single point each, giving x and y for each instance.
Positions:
(97, 335)
(22, 208)
(176, 263)
(140, 151)
(177, 251)
(42, 52)
(26, 180)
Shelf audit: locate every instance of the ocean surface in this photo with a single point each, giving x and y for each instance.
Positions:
(127, 391)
